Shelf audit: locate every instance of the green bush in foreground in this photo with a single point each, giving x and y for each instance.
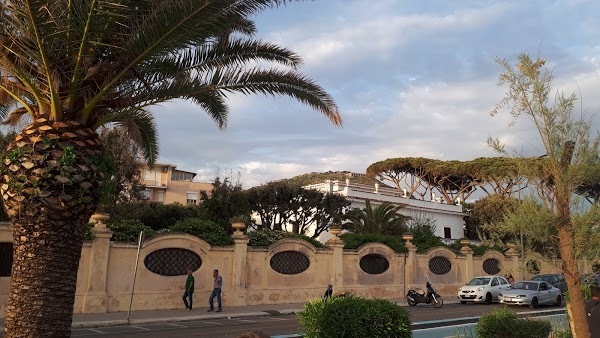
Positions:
(354, 317)
(503, 323)
(266, 237)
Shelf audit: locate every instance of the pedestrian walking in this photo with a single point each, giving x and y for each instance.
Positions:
(189, 291)
(217, 284)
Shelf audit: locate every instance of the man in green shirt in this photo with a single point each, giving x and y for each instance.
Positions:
(189, 291)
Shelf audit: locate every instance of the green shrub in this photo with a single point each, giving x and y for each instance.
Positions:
(88, 235)
(424, 237)
(156, 215)
(353, 241)
(351, 317)
(211, 232)
(128, 230)
(266, 237)
(503, 323)
(478, 250)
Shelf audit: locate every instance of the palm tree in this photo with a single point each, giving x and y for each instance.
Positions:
(383, 219)
(73, 66)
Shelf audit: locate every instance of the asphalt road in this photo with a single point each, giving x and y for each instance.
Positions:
(273, 325)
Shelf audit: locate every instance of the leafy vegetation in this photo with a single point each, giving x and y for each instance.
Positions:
(423, 231)
(266, 237)
(350, 317)
(314, 178)
(156, 215)
(383, 219)
(503, 323)
(211, 232)
(128, 230)
(353, 241)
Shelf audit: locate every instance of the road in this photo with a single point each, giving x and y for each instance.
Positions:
(272, 325)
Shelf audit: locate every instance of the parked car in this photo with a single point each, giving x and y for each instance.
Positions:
(591, 278)
(556, 279)
(531, 293)
(482, 289)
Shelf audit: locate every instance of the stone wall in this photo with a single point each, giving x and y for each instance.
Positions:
(105, 277)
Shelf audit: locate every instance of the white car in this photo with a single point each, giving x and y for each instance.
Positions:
(482, 289)
(532, 293)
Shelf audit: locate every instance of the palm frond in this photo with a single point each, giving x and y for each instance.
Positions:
(139, 125)
(13, 117)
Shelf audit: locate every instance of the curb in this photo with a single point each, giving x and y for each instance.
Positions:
(101, 323)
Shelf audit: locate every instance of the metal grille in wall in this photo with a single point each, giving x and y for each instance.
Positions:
(491, 266)
(439, 265)
(374, 264)
(172, 261)
(6, 257)
(289, 262)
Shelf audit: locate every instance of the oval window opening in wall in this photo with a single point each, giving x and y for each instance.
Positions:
(440, 265)
(172, 261)
(289, 262)
(374, 264)
(491, 266)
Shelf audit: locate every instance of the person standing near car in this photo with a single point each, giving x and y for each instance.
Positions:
(510, 280)
(217, 284)
(189, 291)
(593, 311)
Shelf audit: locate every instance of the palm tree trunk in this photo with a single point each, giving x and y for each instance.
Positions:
(43, 279)
(50, 187)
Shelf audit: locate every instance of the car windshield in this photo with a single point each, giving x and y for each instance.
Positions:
(547, 279)
(525, 286)
(479, 281)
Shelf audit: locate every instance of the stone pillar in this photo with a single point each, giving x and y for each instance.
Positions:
(410, 267)
(238, 275)
(337, 260)
(513, 255)
(468, 253)
(95, 299)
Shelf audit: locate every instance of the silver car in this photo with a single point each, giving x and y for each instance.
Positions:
(532, 293)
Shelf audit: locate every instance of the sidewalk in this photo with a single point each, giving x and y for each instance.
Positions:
(81, 320)
(90, 320)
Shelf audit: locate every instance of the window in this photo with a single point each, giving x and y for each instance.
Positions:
(503, 281)
(181, 176)
(192, 197)
(447, 232)
(494, 281)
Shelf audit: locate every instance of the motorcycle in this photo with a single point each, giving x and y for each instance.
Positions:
(414, 297)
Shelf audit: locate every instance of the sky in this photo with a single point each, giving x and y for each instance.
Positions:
(411, 79)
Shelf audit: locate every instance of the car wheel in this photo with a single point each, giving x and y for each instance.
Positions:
(488, 298)
(558, 301)
(463, 302)
(534, 303)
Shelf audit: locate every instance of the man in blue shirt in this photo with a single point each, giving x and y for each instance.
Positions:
(217, 283)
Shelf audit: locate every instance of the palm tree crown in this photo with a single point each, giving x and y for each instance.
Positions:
(97, 62)
(383, 219)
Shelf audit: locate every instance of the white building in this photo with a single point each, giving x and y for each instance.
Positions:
(448, 218)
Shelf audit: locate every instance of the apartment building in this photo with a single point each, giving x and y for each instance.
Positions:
(165, 183)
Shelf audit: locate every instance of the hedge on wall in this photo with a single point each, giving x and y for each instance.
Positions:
(354, 317)
(128, 230)
(353, 241)
(266, 237)
(209, 231)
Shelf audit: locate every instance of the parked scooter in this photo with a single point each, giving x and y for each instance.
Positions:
(414, 297)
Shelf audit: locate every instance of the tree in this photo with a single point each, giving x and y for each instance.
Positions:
(488, 210)
(226, 200)
(383, 219)
(120, 163)
(74, 66)
(570, 150)
(292, 208)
